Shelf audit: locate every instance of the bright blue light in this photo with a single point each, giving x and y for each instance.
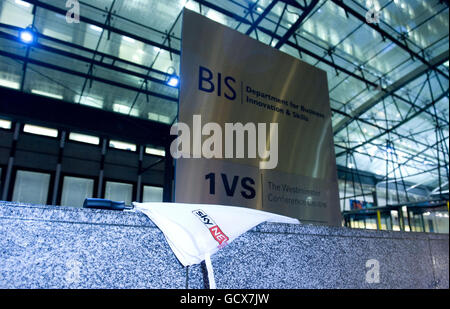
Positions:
(26, 36)
(173, 81)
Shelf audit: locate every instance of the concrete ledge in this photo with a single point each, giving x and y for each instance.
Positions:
(62, 247)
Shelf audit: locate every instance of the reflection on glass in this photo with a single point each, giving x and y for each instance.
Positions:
(76, 190)
(120, 192)
(152, 194)
(31, 187)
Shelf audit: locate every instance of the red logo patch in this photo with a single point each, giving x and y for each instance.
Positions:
(218, 235)
(213, 228)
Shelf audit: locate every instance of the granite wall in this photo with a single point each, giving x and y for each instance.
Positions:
(60, 247)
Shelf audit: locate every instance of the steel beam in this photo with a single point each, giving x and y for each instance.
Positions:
(84, 19)
(84, 75)
(80, 48)
(441, 96)
(64, 115)
(232, 15)
(87, 60)
(385, 34)
(409, 138)
(261, 17)
(363, 108)
(294, 4)
(296, 25)
(333, 65)
(223, 11)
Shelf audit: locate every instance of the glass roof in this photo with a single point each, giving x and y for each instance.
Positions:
(388, 79)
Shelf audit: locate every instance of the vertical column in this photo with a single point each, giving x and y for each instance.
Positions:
(409, 219)
(12, 154)
(168, 175)
(58, 167)
(139, 180)
(379, 220)
(401, 219)
(102, 167)
(422, 219)
(375, 197)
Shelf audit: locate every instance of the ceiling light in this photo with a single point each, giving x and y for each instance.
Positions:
(27, 35)
(173, 81)
(94, 140)
(28, 128)
(96, 28)
(47, 94)
(5, 124)
(23, 3)
(9, 84)
(155, 151)
(128, 39)
(122, 145)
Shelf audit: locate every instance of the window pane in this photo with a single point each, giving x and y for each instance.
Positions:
(5, 124)
(40, 130)
(125, 109)
(76, 190)
(155, 151)
(153, 194)
(17, 13)
(119, 192)
(122, 145)
(47, 94)
(94, 140)
(9, 84)
(31, 187)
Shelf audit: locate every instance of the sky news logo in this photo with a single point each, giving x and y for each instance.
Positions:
(213, 228)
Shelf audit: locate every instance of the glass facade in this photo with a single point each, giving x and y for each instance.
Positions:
(31, 187)
(117, 191)
(76, 190)
(152, 194)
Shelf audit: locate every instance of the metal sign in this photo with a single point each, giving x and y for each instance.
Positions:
(254, 127)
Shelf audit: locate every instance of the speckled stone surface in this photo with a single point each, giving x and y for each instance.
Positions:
(272, 260)
(44, 247)
(439, 253)
(61, 247)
